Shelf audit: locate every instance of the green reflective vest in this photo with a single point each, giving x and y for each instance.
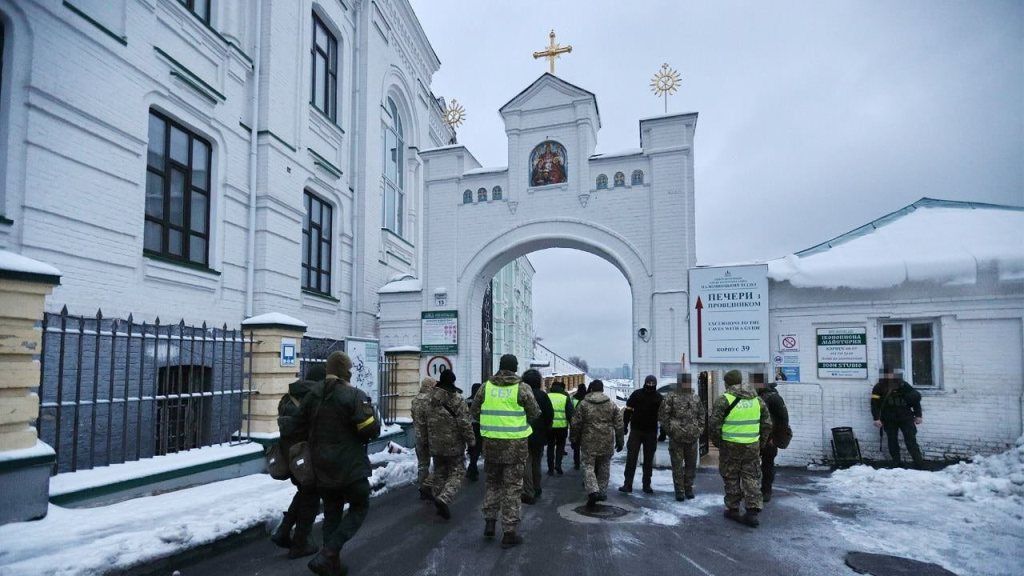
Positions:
(743, 424)
(558, 401)
(501, 416)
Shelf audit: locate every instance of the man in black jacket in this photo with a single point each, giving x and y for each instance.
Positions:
(780, 429)
(896, 407)
(472, 471)
(342, 421)
(306, 502)
(538, 438)
(642, 412)
(581, 393)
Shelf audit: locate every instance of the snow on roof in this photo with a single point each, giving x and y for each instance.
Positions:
(938, 241)
(490, 170)
(618, 154)
(11, 262)
(397, 286)
(275, 318)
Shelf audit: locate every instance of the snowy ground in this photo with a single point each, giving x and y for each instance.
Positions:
(968, 518)
(86, 541)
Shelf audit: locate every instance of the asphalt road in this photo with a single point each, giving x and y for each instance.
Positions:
(404, 536)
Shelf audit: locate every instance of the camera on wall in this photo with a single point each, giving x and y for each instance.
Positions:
(644, 334)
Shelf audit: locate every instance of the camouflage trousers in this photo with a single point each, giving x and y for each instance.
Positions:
(740, 467)
(596, 470)
(503, 490)
(447, 478)
(422, 464)
(684, 457)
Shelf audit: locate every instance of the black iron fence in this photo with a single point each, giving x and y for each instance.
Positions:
(388, 388)
(114, 390)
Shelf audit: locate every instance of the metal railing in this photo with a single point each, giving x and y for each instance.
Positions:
(114, 390)
(388, 378)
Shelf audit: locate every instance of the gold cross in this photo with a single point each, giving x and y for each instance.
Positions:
(553, 51)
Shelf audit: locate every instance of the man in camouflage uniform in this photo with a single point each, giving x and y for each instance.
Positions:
(448, 433)
(420, 415)
(682, 417)
(505, 458)
(740, 426)
(597, 426)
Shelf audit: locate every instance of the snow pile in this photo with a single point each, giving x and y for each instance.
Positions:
(944, 245)
(88, 541)
(968, 517)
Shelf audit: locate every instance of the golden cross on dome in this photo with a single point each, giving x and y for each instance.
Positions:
(553, 51)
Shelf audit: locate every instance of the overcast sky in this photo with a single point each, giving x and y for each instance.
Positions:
(815, 117)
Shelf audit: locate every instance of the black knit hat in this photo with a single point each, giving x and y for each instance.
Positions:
(596, 386)
(509, 362)
(532, 377)
(447, 378)
(650, 379)
(733, 378)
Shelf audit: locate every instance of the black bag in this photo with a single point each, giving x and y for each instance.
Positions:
(782, 437)
(300, 462)
(277, 463)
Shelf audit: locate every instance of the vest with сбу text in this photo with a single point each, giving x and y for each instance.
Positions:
(743, 423)
(501, 416)
(558, 402)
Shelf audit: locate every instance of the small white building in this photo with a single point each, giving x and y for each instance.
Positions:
(937, 290)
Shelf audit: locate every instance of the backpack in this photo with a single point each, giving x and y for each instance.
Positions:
(277, 461)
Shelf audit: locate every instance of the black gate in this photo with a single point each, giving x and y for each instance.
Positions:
(113, 390)
(487, 341)
(704, 389)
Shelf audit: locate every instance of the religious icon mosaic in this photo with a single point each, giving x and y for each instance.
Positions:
(548, 164)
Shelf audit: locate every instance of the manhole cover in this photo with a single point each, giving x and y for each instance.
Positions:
(885, 565)
(602, 511)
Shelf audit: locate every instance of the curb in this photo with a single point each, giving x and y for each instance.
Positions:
(166, 565)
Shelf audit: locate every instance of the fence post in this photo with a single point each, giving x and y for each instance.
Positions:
(271, 373)
(25, 461)
(407, 379)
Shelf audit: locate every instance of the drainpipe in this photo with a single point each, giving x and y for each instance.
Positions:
(354, 165)
(250, 264)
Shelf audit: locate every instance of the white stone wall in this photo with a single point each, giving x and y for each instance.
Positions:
(74, 129)
(977, 406)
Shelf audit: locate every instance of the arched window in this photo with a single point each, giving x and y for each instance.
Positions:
(393, 200)
(620, 179)
(467, 197)
(636, 178)
(481, 195)
(496, 193)
(602, 182)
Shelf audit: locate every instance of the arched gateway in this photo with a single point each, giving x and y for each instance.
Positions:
(555, 194)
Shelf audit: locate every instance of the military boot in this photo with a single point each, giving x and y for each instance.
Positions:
(426, 493)
(733, 514)
(626, 488)
(301, 546)
(647, 489)
(750, 518)
(592, 499)
(689, 494)
(680, 497)
(489, 528)
(511, 539)
(472, 473)
(442, 510)
(327, 563)
(766, 496)
(282, 535)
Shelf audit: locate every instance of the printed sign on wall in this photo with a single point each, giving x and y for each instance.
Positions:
(729, 314)
(439, 332)
(842, 353)
(365, 355)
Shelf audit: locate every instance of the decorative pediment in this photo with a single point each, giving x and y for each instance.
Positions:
(550, 91)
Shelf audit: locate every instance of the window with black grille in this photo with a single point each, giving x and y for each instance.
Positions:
(183, 407)
(316, 244)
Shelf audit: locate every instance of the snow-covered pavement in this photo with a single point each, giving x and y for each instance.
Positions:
(87, 541)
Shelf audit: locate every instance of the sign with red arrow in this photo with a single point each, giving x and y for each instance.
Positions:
(729, 314)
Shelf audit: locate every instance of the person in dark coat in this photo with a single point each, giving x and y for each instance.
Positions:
(780, 429)
(896, 407)
(577, 397)
(472, 471)
(559, 426)
(306, 502)
(538, 440)
(342, 421)
(642, 413)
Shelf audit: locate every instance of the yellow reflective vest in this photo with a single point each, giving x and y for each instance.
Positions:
(501, 416)
(558, 402)
(743, 424)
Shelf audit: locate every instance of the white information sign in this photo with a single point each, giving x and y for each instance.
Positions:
(729, 314)
(439, 332)
(287, 352)
(365, 355)
(842, 353)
